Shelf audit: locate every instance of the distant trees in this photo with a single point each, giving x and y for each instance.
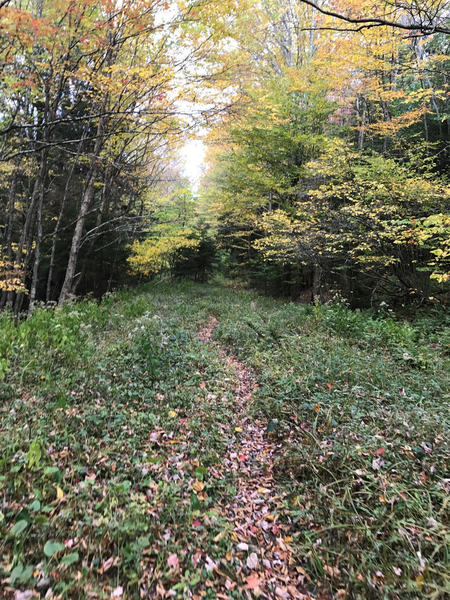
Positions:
(330, 178)
(89, 114)
(328, 136)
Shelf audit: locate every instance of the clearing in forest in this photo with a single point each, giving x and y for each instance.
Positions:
(194, 441)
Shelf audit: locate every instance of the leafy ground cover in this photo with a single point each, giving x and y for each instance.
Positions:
(130, 439)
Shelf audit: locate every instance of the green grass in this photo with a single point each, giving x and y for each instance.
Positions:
(110, 414)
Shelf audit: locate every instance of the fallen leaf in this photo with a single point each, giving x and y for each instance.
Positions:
(210, 564)
(377, 463)
(220, 535)
(198, 485)
(252, 582)
(106, 565)
(331, 571)
(252, 561)
(242, 546)
(173, 561)
(24, 595)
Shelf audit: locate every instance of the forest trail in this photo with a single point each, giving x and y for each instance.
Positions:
(270, 569)
(138, 461)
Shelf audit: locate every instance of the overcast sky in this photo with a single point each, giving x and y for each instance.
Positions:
(193, 154)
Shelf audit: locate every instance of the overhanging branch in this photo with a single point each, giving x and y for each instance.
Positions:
(368, 22)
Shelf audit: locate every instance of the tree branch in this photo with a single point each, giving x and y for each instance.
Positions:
(364, 22)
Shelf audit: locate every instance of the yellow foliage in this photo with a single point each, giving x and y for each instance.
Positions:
(152, 256)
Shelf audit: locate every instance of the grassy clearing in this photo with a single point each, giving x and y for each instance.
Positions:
(110, 468)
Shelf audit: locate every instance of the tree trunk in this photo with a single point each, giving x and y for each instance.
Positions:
(58, 225)
(317, 282)
(98, 222)
(361, 133)
(8, 232)
(86, 199)
(37, 252)
(26, 238)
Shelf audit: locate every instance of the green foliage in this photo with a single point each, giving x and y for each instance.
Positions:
(362, 397)
(99, 457)
(178, 239)
(268, 148)
(120, 378)
(347, 217)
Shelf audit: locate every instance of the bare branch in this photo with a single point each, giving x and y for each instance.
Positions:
(422, 28)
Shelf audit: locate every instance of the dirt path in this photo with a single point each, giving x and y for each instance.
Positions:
(263, 558)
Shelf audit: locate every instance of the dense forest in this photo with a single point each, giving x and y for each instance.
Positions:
(327, 139)
(232, 386)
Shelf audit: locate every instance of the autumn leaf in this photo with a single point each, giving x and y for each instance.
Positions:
(173, 561)
(252, 561)
(198, 485)
(252, 582)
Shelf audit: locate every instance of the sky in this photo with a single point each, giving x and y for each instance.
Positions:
(193, 154)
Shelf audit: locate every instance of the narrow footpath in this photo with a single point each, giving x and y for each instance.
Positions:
(269, 569)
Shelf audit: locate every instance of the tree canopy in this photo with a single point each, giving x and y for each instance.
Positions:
(327, 131)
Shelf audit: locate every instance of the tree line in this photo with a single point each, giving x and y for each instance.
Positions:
(328, 146)
(91, 112)
(331, 176)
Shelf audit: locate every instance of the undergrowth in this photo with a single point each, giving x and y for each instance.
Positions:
(111, 447)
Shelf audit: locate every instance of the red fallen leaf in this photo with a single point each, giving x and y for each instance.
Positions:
(254, 529)
(183, 420)
(196, 523)
(330, 386)
(275, 530)
(379, 451)
(242, 457)
(252, 582)
(173, 561)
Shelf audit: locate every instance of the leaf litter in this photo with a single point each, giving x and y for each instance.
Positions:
(264, 561)
(167, 485)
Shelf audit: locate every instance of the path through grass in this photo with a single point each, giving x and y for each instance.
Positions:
(127, 453)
